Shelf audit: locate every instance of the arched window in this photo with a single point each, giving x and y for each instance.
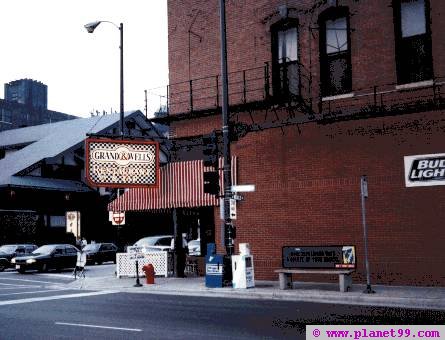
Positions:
(285, 67)
(335, 51)
(413, 41)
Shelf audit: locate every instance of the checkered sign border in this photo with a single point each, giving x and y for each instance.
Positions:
(111, 174)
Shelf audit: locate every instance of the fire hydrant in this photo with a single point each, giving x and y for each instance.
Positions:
(149, 271)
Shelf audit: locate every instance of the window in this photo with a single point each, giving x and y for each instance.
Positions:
(285, 67)
(413, 41)
(6, 115)
(335, 52)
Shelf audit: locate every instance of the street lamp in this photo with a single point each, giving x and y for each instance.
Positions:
(90, 27)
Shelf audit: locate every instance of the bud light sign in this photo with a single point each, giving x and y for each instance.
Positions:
(424, 170)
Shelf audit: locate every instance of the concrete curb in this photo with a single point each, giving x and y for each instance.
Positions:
(403, 297)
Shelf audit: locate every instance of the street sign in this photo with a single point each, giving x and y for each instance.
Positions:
(238, 197)
(136, 256)
(117, 217)
(134, 249)
(243, 188)
(232, 209)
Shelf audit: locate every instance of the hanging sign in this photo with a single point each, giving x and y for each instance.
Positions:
(424, 170)
(121, 163)
(73, 223)
(117, 217)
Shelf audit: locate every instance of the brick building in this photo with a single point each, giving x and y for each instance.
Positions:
(321, 93)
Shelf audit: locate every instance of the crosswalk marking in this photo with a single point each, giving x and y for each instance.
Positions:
(98, 326)
(55, 297)
(37, 291)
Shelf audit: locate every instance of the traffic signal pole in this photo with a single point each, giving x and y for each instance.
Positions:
(229, 242)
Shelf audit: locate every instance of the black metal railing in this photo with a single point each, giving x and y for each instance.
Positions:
(386, 99)
(290, 83)
(253, 85)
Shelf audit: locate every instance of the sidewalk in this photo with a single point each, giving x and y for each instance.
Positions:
(385, 296)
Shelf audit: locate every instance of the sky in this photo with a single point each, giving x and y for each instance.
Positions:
(45, 40)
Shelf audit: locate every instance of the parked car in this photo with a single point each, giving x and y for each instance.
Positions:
(194, 247)
(50, 256)
(100, 252)
(9, 251)
(155, 243)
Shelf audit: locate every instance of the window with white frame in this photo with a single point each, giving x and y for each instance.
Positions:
(413, 41)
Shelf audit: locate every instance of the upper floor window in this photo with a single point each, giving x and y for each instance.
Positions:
(413, 41)
(335, 52)
(286, 78)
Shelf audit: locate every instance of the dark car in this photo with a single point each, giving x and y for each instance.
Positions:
(9, 251)
(100, 252)
(50, 256)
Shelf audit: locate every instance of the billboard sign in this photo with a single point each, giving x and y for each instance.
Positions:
(334, 257)
(424, 170)
(121, 163)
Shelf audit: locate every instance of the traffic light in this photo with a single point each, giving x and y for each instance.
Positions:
(210, 150)
(211, 182)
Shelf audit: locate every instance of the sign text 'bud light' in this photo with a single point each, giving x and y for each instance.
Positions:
(425, 170)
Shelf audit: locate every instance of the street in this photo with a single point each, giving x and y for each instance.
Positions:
(39, 306)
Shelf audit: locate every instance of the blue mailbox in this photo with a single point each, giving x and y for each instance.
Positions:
(214, 267)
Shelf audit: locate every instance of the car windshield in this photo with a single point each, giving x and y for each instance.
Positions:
(47, 249)
(91, 247)
(148, 241)
(7, 249)
(194, 243)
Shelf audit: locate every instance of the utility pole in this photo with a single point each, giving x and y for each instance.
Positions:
(364, 195)
(228, 227)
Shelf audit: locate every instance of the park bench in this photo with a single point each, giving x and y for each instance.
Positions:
(344, 276)
(327, 260)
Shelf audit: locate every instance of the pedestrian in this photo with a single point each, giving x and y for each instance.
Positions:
(84, 242)
(180, 251)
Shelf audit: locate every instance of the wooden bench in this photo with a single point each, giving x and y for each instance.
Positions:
(344, 276)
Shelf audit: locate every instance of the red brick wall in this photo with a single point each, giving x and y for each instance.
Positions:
(308, 179)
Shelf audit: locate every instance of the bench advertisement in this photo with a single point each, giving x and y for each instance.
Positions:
(323, 257)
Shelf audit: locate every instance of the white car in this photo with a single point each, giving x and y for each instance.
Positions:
(155, 243)
(195, 247)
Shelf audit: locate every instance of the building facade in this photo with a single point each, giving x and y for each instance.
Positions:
(26, 104)
(28, 92)
(320, 94)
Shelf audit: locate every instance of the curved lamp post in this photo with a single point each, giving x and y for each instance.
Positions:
(90, 27)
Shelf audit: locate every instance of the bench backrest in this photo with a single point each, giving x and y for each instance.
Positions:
(327, 257)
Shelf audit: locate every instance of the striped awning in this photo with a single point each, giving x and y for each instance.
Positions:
(181, 185)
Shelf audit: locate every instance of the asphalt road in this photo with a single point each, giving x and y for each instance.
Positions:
(37, 306)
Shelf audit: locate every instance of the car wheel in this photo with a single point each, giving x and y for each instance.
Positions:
(43, 268)
(2, 267)
(22, 271)
(99, 262)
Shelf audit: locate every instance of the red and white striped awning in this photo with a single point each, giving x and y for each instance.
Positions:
(181, 185)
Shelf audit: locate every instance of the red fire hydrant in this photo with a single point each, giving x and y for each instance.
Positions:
(149, 271)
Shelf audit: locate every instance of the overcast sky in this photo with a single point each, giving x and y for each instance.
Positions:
(46, 40)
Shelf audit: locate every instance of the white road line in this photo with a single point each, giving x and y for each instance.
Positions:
(19, 287)
(64, 276)
(56, 297)
(37, 291)
(97, 326)
(26, 280)
(16, 285)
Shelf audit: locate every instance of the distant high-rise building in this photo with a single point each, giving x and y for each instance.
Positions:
(25, 104)
(28, 92)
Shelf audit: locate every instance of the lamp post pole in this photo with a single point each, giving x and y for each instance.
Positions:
(90, 28)
(230, 248)
(121, 29)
